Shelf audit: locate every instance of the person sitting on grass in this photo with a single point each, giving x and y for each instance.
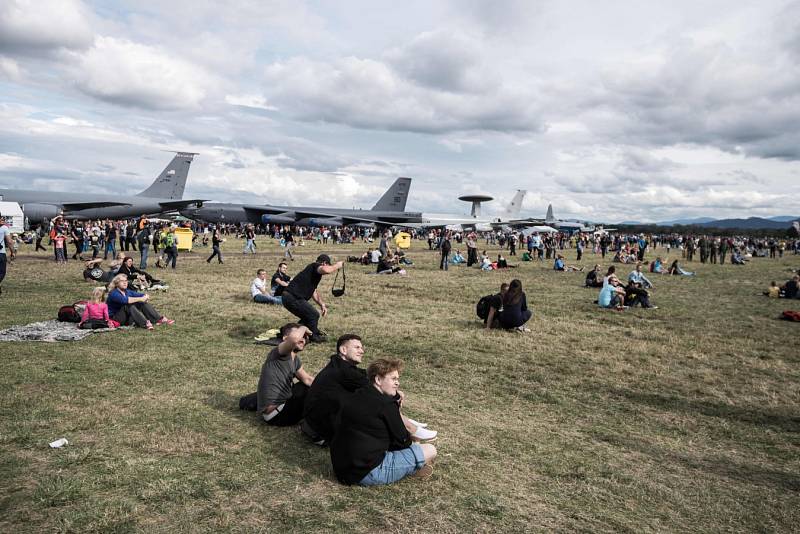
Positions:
(458, 259)
(388, 265)
(658, 266)
(593, 278)
(737, 258)
(638, 277)
(636, 294)
(791, 289)
(401, 256)
(137, 278)
(280, 280)
(95, 314)
(280, 399)
(515, 308)
(486, 263)
(372, 445)
(340, 378)
(260, 292)
(675, 269)
(774, 290)
(495, 308)
(131, 307)
(612, 295)
(561, 265)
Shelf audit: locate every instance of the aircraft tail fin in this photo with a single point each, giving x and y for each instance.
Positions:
(395, 198)
(172, 180)
(549, 218)
(513, 209)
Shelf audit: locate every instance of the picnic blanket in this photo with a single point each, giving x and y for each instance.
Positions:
(49, 331)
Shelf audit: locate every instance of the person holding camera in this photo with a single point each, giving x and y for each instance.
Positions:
(304, 287)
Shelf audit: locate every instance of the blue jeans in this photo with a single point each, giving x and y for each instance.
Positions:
(111, 247)
(395, 466)
(267, 299)
(250, 246)
(144, 250)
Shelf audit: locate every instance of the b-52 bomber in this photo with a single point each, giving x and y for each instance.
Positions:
(388, 211)
(163, 195)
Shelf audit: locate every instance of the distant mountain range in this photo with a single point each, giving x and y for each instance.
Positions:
(773, 223)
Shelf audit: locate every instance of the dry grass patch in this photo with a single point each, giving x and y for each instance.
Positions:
(681, 418)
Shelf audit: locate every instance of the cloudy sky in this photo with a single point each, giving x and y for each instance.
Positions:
(622, 110)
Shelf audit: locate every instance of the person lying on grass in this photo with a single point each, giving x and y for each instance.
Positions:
(280, 399)
(131, 307)
(339, 379)
(372, 445)
(561, 265)
(675, 269)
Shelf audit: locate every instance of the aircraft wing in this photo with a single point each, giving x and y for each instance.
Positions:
(178, 204)
(78, 206)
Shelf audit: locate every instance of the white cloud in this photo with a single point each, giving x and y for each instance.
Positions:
(250, 101)
(29, 27)
(366, 93)
(10, 70)
(132, 74)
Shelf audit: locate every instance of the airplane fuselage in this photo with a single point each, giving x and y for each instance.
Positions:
(219, 212)
(38, 205)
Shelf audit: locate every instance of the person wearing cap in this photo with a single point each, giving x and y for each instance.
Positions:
(6, 249)
(280, 399)
(303, 287)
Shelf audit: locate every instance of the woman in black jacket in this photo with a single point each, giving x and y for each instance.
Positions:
(515, 307)
(371, 446)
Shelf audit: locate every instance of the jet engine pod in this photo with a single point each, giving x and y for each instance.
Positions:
(40, 212)
(276, 219)
(318, 221)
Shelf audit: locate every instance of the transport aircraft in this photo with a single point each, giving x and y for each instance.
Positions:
(388, 211)
(163, 195)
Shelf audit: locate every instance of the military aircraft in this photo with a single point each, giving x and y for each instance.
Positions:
(163, 195)
(474, 222)
(388, 211)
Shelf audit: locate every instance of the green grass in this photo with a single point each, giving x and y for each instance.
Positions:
(681, 418)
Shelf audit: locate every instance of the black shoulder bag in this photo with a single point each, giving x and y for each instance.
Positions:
(339, 292)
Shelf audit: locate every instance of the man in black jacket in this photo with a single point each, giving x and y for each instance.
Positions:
(372, 445)
(340, 378)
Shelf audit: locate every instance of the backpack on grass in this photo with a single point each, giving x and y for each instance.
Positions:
(791, 315)
(482, 308)
(68, 314)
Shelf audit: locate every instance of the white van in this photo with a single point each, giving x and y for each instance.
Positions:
(14, 217)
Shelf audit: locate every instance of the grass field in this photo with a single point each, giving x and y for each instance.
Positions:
(685, 418)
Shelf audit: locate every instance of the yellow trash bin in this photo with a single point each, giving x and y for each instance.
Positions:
(184, 237)
(403, 240)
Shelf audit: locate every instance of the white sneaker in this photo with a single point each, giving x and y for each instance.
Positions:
(417, 423)
(424, 434)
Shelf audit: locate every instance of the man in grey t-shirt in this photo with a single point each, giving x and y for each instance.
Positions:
(280, 400)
